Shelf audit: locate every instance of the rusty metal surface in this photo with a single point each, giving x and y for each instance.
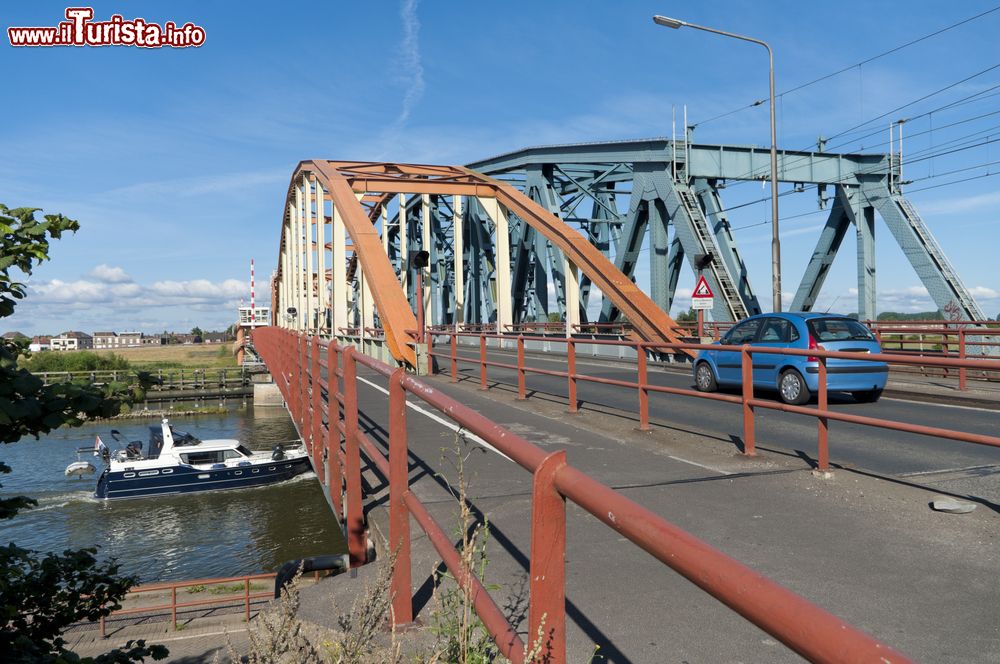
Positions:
(801, 625)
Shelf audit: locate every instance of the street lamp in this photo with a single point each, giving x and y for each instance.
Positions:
(775, 242)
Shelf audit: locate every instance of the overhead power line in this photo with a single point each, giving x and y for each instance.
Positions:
(856, 64)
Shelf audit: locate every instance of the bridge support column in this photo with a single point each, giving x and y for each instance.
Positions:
(297, 260)
(322, 307)
(424, 298)
(864, 220)
(308, 222)
(501, 267)
(458, 247)
(339, 268)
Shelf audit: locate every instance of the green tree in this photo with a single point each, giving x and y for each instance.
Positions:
(688, 316)
(40, 595)
(196, 331)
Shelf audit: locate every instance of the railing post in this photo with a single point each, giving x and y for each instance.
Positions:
(246, 595)
(824, 426)
(521, 388)
(399, 517)
(961, 356)
(173, 606)
(547, 608)
(746, 367)
(353, 511)
(316, 418)
(571, 373)
(334, 471)
(482, 361)
(454, 356)
(640, 354)
(104, 631)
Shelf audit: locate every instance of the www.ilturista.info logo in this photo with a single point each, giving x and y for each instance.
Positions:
(80, 30)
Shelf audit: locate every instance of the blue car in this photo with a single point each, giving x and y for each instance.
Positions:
(796, 377)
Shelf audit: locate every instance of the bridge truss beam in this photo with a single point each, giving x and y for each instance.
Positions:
(674, 186)
(371, 280)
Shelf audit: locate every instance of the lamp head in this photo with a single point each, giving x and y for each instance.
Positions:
(667, 22)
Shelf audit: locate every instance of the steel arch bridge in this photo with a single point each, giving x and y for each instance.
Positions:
(513, 239)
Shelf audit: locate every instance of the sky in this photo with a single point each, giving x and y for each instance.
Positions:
(176, 161)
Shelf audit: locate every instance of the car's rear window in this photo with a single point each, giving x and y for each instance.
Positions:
(838, 329)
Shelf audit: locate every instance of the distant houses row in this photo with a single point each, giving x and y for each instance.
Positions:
(74, 340)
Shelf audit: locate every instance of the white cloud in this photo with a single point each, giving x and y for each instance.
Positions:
(109, 274)
(984, 292)
(412, 65)
(171, 305)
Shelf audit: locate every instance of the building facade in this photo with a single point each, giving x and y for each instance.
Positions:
(72, 340)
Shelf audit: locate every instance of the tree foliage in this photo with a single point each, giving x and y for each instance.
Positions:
(40, 595)
(83, 360)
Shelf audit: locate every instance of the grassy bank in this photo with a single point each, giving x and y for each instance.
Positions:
(202, 356)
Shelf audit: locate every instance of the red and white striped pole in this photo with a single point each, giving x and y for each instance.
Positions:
(251, 289)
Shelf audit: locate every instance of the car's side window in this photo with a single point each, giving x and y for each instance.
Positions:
(744, 333)
(779, 330)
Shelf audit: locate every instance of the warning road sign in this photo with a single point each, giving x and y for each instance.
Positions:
(702, 297)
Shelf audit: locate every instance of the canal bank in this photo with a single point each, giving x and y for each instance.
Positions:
(174, 537)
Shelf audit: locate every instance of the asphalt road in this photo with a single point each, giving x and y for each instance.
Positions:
(882, 451)
(856, 545)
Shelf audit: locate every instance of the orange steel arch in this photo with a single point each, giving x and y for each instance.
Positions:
(343, 181)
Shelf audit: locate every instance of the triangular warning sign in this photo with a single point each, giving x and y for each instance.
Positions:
(702, 289)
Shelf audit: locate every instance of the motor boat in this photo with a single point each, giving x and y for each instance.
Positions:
(178, 462)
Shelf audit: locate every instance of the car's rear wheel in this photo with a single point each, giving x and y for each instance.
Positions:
(792, 388)
(704, 378)
(867, 396)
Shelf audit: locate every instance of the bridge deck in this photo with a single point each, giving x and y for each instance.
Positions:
(865, 548)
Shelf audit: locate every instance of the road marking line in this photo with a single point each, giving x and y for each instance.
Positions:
(694, 463)
(947, 470)
(440, 420)
(941, 405)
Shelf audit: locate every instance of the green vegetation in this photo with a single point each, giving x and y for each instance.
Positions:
(53, 361)
(41, 594)
(923, 315)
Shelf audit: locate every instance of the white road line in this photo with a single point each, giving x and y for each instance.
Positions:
(440, 420)
(694, 463)
(941, 405)
(947, 470)
(202, 635)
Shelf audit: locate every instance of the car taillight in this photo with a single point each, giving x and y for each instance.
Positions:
(813, 346)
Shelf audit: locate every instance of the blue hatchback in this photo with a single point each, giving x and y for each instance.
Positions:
(796, 377)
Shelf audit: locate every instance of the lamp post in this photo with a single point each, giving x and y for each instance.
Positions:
(775, 242)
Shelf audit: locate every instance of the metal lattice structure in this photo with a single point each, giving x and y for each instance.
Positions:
(465, 221)
(674, 186)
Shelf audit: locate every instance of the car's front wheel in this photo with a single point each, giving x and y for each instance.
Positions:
(867, 396)
(792, 388)
(704, 378)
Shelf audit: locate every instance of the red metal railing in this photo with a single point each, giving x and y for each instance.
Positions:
(173, 586)
(747, 400)
(293, 360)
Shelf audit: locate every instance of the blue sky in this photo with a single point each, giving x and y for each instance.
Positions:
(176, 161)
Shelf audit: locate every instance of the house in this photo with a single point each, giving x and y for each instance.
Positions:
(215, 338)
(39, 344)
(186, 339)
(154, 340)
(113, 340)
(72, 340)
(14, 336)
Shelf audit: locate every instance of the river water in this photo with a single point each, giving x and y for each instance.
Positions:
(218, 534)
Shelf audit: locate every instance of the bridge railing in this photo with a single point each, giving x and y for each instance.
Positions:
(319, 378)
(747, 399)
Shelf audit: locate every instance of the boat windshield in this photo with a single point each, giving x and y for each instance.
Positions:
(244, 450)
(184, 438)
